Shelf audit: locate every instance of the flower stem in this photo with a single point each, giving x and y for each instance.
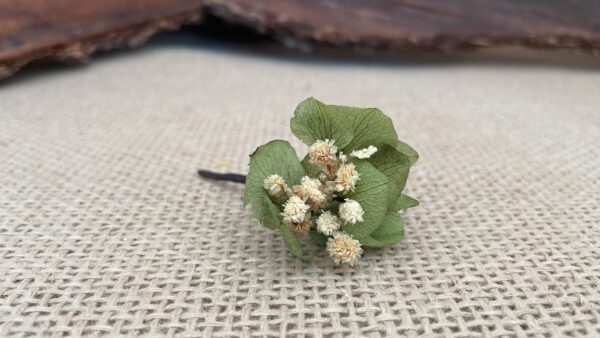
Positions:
(229, 177)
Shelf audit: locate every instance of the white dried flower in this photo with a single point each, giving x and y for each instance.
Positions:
(322, 153)
(351, 211)
(274, 185)
(364, 153)
(346, 178)
(343, 158)
(294, 210)
(301, 228)
(343, 248)
(328, 223)
(310, 189)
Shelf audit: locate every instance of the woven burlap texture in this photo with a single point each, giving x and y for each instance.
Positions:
(107, 230)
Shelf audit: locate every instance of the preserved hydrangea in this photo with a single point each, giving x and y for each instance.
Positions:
(346, 193)
(314, 193)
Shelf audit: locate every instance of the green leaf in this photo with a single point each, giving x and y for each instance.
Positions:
(372, 192)
(351, 128)
(292, 243)
(275, 157)
(404, 202)
(318, 237)
(313, 120)
(369, 126)
(407, 150)
(334, 207)
(390, 232)
(267, 212)
(393, 164)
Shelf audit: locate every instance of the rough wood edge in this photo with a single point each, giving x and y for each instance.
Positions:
(302, 33)
(130, 36)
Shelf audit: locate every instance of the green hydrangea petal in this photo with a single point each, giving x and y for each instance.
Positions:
(407, 150)
(372, 192)
(404, 202)
(318, 237)
(390, 232)
(313, 120)
(393, 164)
(275, 157)
(292, 243)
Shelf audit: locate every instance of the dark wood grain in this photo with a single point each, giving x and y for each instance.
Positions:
(73, 29)
(67, 29)
(424, 24)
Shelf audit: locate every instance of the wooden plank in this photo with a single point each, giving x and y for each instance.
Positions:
(67, 29)
(73, 29)
(424, 24)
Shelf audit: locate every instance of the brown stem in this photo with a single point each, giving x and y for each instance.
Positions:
(229, 177)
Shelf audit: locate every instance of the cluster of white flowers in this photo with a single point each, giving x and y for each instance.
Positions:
(310, 190)
(306, 205)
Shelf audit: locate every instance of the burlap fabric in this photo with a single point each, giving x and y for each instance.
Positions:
(106, 229)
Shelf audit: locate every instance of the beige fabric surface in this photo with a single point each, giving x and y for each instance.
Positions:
(105, 229)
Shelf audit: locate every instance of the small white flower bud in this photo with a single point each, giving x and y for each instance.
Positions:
(351, 211)
(343, 248)
(364, 153)
(275, 190)
(294, 210)
(275, 185)
(328, 223)
(346, 178)
(322, 153)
